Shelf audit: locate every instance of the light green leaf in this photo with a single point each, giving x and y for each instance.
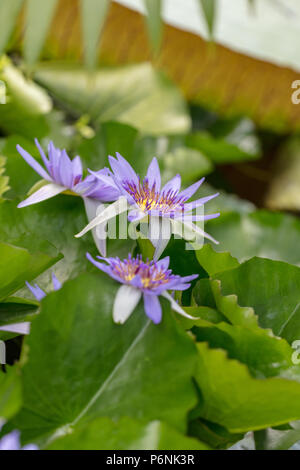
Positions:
(239, 402)
(93, 15)
(126, 434)
(214, 262)
(81, 365)
(272, 288)
(136, 95)
(263, 353)
(228, 305)
(154, 22)
(38, 19)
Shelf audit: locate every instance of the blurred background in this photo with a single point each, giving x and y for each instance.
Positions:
(208, 86)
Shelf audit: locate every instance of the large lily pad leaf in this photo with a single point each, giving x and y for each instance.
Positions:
(10, 392)
(18, 265)
(81, 365)
(260, 233)
(239, 402)
(272, 289)
(136, 95)
(126, 434)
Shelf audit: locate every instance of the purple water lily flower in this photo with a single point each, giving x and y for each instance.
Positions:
(64, 174)
(147, 198)
(11, 441)
(23, 328)
(148, 279)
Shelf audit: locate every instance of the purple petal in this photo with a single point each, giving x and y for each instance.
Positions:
(42, 153)
(190, 191)
(45, 192)
(30, 447)
(199, 202)
(172, 185)
(54, 155)
(76, 170)
(153, 308)
(153, 174)
(122, 169)
(103, 267)
(33, 163)
(163, 263)
(99, 185)
(11, 441)
(192, 277)
(65, 170)
(38, 293)
(56, 284)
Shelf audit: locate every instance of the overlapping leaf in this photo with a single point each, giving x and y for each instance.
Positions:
(126, 434)
(239, 402)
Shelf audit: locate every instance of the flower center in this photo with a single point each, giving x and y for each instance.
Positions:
(148, 198)
(150, 275)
